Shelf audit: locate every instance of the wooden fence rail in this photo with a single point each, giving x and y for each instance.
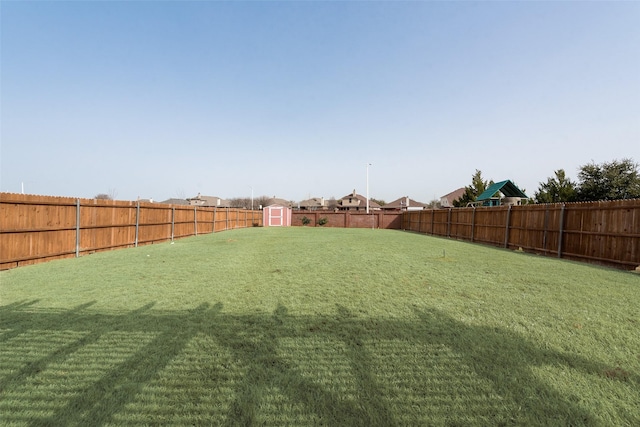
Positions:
(601, 232)
(40, 228)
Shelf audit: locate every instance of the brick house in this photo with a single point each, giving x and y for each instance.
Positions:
(356, 202)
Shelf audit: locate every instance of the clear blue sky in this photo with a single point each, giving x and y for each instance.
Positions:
(293, 99)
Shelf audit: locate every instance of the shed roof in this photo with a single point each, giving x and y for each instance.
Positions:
(507, 188)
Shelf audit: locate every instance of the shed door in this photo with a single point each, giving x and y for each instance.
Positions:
(276, 215)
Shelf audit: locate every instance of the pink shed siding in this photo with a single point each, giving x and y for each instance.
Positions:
(276, 216)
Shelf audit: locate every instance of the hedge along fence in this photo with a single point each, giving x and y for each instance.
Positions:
(600, 232)
(40, 228)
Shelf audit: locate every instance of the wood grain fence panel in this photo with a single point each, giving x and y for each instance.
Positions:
(154, 223)
(440, 222)
(526, 228)
(552, 229)
(184, 224)
(232, 218)
(205, 220)
(27, 247)
(221, 219)
(603, 231)
(490, 225)
(39, 228)
(461, 223)
(106, 224)
(257, 218)
(575, 240)
(417, 221)
(413, 221)
(33, 227)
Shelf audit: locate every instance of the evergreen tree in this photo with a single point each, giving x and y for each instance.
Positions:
(557, 189)
(618, 179)
(477, 187)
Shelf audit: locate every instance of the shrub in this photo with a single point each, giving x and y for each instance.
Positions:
(305, 220)
(322, 221)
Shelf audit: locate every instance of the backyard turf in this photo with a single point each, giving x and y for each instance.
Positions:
(315, 326)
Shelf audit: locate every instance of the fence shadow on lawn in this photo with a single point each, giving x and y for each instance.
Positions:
(203, 367)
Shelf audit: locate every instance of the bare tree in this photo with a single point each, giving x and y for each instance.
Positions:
(261, 201)
(240, 202)
(434, 204)
(332, 203)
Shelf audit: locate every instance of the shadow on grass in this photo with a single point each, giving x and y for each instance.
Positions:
(206, 367)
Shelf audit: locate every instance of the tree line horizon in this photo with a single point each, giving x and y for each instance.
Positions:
(612, 180)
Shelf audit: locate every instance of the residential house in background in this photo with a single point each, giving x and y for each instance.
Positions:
(404, 204)
(447, 200)
(175, 202)
(313, 204)
(208, 201)
(356, 202)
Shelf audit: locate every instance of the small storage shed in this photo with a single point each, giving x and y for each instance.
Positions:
(276, 216)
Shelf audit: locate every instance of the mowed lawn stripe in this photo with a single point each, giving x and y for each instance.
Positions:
(315, 326)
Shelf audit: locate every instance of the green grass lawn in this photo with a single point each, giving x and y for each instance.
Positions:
(314, 326)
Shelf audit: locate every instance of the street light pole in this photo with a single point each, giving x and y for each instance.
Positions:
(251, 197)
(368, 164)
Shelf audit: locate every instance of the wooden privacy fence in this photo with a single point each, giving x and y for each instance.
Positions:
(41, 228)
(601, 232)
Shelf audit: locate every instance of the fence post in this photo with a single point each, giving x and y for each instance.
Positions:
(561, 231)
(226, 220)
(195, 220)
(433, 219)
(546, 225)
(473, 222)
(77, 228)
(506, 231)
(449, 223)
(173, 222)
(137, 222)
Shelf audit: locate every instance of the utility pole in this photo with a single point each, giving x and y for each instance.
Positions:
(368, 164)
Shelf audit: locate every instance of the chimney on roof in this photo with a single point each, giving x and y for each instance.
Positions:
(407, 201)
(354, 192)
